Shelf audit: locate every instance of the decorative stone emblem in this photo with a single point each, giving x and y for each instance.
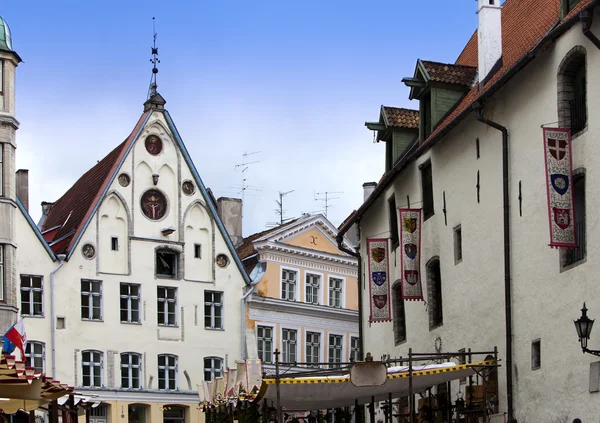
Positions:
(153, 145)
(222, 260)
(188, 188)
(88, 251)
(154, 204)
(124, 179)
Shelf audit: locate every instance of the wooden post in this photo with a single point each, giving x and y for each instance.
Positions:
(372, 410)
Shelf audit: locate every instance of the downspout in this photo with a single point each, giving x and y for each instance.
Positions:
(586, 17)
(61, 259)
(478, 108)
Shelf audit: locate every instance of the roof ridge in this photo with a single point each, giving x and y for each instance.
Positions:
(448, 64)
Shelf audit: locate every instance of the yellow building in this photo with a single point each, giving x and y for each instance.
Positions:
(303, 298)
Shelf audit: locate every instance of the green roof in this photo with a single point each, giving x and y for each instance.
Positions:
(5, 40)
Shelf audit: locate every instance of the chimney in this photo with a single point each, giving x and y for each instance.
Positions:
(23, 187)
(368, 188)
(46, 206)
(489, 36)
(230, 212)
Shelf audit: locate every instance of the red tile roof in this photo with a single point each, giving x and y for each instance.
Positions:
(75, 207)
(451, 74)
(246, 249)
(401, 118)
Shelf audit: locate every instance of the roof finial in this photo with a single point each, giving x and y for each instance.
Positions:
(155, 61)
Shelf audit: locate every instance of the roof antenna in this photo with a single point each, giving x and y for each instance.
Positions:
(154, 61)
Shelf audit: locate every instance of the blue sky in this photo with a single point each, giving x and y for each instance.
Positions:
(295, 80)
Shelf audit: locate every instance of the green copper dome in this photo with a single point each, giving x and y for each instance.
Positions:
(5, 40)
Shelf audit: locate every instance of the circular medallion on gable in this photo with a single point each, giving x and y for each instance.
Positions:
(222, 260)
(124, 179)
(154, 204)
(188, 188)
(88, 251)
(153, 145)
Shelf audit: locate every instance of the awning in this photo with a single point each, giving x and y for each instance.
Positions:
(323, 392)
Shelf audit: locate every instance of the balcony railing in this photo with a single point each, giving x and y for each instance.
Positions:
(578, 113)
(577, 254)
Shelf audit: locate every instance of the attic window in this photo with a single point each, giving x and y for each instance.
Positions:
(114, 243)
(167, 263)
(197, 251)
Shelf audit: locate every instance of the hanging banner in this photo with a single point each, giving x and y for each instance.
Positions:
(559, 178)
(410, 263)
(379, 281)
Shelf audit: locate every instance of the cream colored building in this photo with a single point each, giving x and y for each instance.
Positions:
(488, 274)
(303, 300)
(130, 288)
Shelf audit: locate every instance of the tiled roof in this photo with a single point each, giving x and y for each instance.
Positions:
(450, 74)
(246, 249)
(74, 208)
(401, 118)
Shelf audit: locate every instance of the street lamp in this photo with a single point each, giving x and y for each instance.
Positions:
(583, 325)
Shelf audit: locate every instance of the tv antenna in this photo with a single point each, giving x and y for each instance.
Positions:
(326, 197)
(279, 210)
(244, 166)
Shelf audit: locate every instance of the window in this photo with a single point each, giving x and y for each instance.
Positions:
(91, 300)
(114, 243)
(130, 303)
(572, 90)
(434, 291)
(399, 315)
(457, 244)
(167, 305)
(288, 285)
(354, 348)
(536, 354)
(335, 348)
(131, 371)
(213, 367)
(91, 364)
(213, 310)
(1, 155)
(288, 345)
(572, 256)
(335, 292)
(393, 218)
(1, 272)
(313, 283)
(166, 264)
(167, 372)
(427, 190)
(313, 348)
(173, 414)
(31, 296)
(264, 335)
(35, 355)
(197, 251)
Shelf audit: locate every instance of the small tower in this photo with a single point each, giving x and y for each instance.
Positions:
(9, 61)
(155, 101)
(489, 35)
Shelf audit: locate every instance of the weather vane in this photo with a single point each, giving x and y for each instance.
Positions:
(155, 61)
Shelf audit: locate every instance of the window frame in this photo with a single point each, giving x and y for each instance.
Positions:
(166, 301)
(435, 299)
(129, 299)
(92, 365)
(177, 256)
(427, 194)
(130, 368)
(342, 291)
(273, 342)
(30, 291)
(296, 291)
(90, 295)
(165, 369)
(319, 295)
(212, 369)
(341, 349)
(41, 356)
(198, 251)
(320, 345)
(354, 349)
(400, 336)
(285, 347)
(213, 306)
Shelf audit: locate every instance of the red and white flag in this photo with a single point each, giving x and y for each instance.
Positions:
(17, 336)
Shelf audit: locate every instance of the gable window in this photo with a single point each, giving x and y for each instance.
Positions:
(399, 314)
(313, 348)
(92, 363)
(264, 335)
(572, 256)
(35, 355)
(335, 348)
(313, 284)
(114, 243)
(427, 190)
(213, 310)
(393, 219)
(572, 90)
(213, 367)
(198, 251)
(130, 303)
(457, 244)
(288, 284)
(434, 293)
(167, 305)
(335, 292)
(354, 348)
(131, 371)
(167, 372)
(167, 263)
(289, 339)
(31, 296)
(91, 300)
(536, 354)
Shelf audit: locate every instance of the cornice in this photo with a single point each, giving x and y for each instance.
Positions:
(303, 309)
(301, 252)
(10, 119)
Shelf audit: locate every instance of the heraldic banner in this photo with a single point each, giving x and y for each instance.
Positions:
(379, 281)
(559, 178)
(410, 243)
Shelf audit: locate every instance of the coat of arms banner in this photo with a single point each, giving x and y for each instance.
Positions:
(379, 281)
(559, 178)
(410, 244)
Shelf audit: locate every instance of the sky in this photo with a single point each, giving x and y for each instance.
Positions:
(291, 81)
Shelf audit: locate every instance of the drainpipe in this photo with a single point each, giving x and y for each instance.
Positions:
(586, 17)
(478, 108)
(61, 258)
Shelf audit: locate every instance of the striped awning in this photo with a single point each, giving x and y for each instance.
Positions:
(325, 392)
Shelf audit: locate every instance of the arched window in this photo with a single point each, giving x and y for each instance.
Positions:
(131, 371)
(399, 315)
(572, 90)
(434, 293)
(213, 367)
(174, 414)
